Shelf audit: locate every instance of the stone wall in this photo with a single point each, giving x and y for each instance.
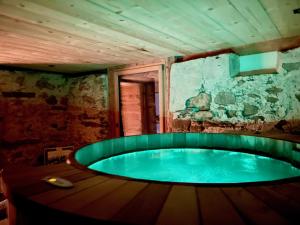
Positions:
(205, 97)
(88, 106)
(39, 110)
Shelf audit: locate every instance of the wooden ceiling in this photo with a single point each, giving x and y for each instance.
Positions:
(102, 33)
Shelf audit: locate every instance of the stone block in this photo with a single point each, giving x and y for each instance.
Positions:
(271, 99)
(202, 116)
(231, 113)
(225, 98)
(202, 101)
(179, 125)
(196, 126)
(90, 124)
(59, 107)
(89, 100)
(44, 83)
(51, 100)
(297, 95)
(18, 94)
(252, 95)
(64, 100)
(291, 66)
(274, 90)
(249, 109)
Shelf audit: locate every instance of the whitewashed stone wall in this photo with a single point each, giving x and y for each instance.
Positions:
(267, 98)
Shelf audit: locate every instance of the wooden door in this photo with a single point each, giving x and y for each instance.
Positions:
(137, 103)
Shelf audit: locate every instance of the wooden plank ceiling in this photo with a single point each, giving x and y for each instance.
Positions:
(102, 33)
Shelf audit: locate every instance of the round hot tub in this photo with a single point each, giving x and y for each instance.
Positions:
(172, 178)
(201, 158)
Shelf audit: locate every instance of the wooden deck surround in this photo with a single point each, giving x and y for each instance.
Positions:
(101, 199)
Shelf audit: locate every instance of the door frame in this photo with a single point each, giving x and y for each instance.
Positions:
(114, 85)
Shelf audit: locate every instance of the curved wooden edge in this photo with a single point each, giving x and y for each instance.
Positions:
(76, 164)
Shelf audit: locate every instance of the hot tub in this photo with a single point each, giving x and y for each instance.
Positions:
(200, 158)
(113, 198)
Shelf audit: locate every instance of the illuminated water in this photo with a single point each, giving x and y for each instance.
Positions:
(196, 166)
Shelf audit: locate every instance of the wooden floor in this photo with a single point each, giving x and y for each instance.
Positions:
(132, 202)
(4, 222)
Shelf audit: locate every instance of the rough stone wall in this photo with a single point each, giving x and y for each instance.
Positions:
(205, 97)
(39, 110)
(88, 100)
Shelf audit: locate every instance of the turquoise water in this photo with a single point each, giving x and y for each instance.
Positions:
(196, 166)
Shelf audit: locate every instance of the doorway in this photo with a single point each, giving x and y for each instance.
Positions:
(139, 104)
(138, 100)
